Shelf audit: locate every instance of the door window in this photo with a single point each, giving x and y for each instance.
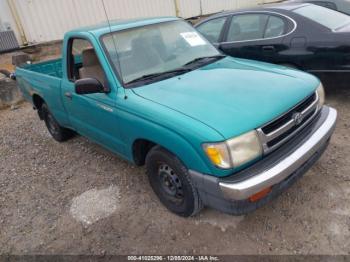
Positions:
(247, 27)
(212, 29)
(275, 27)
(83, 61)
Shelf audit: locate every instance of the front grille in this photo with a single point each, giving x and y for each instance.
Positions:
(280, 130)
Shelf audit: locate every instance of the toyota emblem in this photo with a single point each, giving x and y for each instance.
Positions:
(298, 118)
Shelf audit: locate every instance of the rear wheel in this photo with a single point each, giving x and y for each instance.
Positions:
(170, 181)
(58, 132)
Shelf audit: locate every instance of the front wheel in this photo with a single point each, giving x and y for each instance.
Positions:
(58, 132)
(171, 183)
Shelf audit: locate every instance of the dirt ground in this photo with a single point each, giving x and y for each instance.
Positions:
(77, 198)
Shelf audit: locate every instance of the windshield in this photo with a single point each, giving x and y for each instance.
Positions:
(155, 49)
(329, 18)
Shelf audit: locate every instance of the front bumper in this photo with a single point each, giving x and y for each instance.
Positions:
(277, 170)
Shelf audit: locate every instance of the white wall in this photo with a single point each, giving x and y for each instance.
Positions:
(189, 8)
(6, 18)
(213, 6)
(47, 20)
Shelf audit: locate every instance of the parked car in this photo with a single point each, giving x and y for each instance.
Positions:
(212, 130)
(304, 36)
(338, 5)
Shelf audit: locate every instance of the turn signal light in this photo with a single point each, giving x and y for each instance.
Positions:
(256, 197)
(214, 155)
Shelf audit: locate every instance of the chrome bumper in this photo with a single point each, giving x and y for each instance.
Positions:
(284, 168)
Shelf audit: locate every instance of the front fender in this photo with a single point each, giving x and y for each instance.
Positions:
(163, 136)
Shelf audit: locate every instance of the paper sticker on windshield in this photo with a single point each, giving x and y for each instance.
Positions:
(193, 38)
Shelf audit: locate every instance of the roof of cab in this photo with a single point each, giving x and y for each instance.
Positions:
(117, 25)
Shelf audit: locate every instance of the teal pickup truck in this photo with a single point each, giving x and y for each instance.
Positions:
(212, 130)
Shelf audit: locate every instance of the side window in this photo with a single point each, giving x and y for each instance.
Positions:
(247, 27)
(79, 45)
(83, 61)
(212, 29)
(275, 27)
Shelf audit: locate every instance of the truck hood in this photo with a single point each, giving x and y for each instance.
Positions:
(232, 95)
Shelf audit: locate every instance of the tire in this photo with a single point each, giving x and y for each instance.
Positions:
(171, 183)
(59, 133)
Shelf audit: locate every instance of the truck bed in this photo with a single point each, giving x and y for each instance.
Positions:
(43, 79)
(51, 68)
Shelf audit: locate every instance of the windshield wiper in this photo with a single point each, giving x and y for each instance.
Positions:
(177, 71)
(199, 59)
(159, 74)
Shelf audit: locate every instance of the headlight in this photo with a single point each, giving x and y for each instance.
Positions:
(234, 152)
(321, 95)
(245, 148)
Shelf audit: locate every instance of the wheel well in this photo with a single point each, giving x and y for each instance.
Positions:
(140, 149)
(38, 102)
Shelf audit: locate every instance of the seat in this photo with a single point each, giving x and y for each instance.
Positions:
(159, 45)
(274, 32)
(144, 55)
(91, 67)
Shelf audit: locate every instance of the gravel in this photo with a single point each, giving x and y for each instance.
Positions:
(77, 198)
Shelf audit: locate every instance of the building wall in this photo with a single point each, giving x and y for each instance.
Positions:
(210, 6)
(48, 20)
(189, 8)
(6, 19)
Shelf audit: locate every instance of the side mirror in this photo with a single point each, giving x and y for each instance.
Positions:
(88, 86)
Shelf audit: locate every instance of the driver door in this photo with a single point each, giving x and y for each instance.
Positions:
(92, 115)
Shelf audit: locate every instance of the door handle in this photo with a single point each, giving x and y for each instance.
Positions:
(268, 48)
(68, 94)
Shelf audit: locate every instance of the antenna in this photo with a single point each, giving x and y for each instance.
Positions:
(114, 44)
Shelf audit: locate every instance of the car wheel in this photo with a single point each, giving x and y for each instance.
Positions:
(58, 132)
(171, 183)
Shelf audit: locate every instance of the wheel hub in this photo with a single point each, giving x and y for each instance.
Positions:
(170, 182)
